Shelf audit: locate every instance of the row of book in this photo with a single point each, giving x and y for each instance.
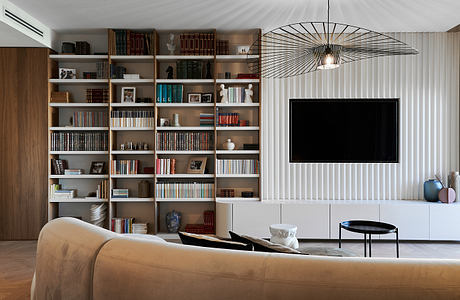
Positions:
(79, 141)
(64, 194)
(102, 190)
(102, 69)
(128, 118)
(58, 166)
(125, 166)
(197, 43)
(189, 69)
(222, 47)
(170, 93)
(97, 95)
(236, 94)
(184, 190)
(206, 228)
(206, 119)
(89, 119)
(165, 166)
(117, 72)
(237, 166)
(122, 225)
(228, 119)
(127, 42)
(184, 141)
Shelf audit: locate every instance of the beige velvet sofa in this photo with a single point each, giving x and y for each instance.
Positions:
(76, 260)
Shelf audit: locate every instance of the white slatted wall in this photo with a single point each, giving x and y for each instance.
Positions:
(428, 88)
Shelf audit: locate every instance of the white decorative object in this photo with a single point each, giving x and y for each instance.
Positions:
(284, 234)
(97, 214)
(223, 94)
(171, 46)
(248, 94)
(176, 120)
(454, 182)
(229, 145)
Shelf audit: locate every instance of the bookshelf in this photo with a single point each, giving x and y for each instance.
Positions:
(151, 64)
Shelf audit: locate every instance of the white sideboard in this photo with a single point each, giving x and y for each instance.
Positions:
(416, 220)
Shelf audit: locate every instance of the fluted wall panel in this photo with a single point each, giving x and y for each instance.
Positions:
(428, 87)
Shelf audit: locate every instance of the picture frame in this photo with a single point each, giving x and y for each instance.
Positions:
(207, 97)
(97, 167)
(164, 122)
(196, 165)
(66, 73)
(128, 95)
(194, 97)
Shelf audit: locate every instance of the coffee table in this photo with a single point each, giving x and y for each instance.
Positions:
(368, 228)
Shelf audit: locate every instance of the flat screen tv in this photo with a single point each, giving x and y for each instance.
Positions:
(344, 130)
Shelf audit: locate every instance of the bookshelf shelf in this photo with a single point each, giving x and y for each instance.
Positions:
(185, 175)
(132, 81)
(131, 128)
(237, 105)
(183, 57)
(132, 58)
(78, 200)
(75, 104)
(229, 199)
(185, 199)
(159, 128)
(79, 81)
(237, 80)
(134, 152)
(80, 152)
(240, 128)
(237, 152)
(130, 199)
(83, 176)
(131, 104)
(132, 176)
(235, 58)
(69, 128)
(237, 175)
(78, 58)
(185, 152)
(186, 81)
(184, 105)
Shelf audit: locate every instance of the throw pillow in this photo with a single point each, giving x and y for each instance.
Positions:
(261, 244)
(212, 242)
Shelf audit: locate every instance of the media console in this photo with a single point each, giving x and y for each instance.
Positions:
(319, 219)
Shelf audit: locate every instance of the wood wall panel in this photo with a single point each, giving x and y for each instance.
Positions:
(23, 147)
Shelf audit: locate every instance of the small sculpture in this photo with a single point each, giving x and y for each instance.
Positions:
(248, 94)
(229, 145)
(171, 46)
(170, 72)
(223, 94)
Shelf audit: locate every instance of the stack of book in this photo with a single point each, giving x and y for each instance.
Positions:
(120, 193)
(170, 93)
(117, 72)
(79, 141)
(206, 119)
(140, 228)
(196, 44)
(127, 42)
(58, 166)
(237, 166)
(128, 118)
(184, 190)
(165, 166)
(89, 75)
(189, 69)
(101, 191)
(131, 76)
(236, 94)
(206, 228)
(102, 69)
(89, 119)
(57, 193)
(228, 119)
(122, 225)
(227, 193)
(222, 47)
(73, 171)
(184, 141)
(97, 95)
(126, 166)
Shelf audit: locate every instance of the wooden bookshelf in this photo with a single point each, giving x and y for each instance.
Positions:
(151, 66)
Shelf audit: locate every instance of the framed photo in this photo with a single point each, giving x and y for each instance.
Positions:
(194, 98)
(243, 49)
(164, 122)
(206, 98)
(65, 73)
(128, 95)
(196, 165)
(97, 167)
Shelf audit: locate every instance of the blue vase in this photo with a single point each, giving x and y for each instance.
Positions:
(173, 221)
(431, 190)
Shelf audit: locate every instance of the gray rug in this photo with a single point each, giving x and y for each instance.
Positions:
(327, 251)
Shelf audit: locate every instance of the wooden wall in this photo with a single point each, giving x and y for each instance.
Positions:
(23, 146)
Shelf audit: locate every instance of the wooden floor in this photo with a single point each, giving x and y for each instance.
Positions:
(17, 259)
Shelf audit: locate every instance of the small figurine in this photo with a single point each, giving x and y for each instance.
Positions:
(170, 72)
(171, 46)
(248, 94)
(223, 94)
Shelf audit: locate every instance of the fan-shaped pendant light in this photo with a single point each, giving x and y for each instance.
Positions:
(305, 47)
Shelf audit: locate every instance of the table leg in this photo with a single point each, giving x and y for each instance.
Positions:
(340, 235)
(397, 243)
(370, 245)
(365, 245)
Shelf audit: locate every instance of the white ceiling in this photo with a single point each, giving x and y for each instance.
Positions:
(378, 15)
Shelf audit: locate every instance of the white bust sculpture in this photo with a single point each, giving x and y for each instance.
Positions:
(248, 94)
(171, 46)
(223, 94)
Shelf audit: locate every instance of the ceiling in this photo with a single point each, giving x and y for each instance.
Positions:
(378, 15)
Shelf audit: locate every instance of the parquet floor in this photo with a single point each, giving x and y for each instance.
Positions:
(17, 259)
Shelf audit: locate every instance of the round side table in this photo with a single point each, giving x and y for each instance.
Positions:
(284, 234)
(368, 228)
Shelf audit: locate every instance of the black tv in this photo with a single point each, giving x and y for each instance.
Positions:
(344, 130)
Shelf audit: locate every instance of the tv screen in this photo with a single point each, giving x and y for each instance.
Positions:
(344, 130)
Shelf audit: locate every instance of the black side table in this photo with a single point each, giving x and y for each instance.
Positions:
(368, 228)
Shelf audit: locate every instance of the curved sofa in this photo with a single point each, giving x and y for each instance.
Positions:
(76, 260)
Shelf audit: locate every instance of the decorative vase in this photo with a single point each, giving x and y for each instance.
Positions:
(454, 181)
(229, 145)
(176, 120)
(447, 195)
(143, 189)
(431, 190)
(173, 221)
